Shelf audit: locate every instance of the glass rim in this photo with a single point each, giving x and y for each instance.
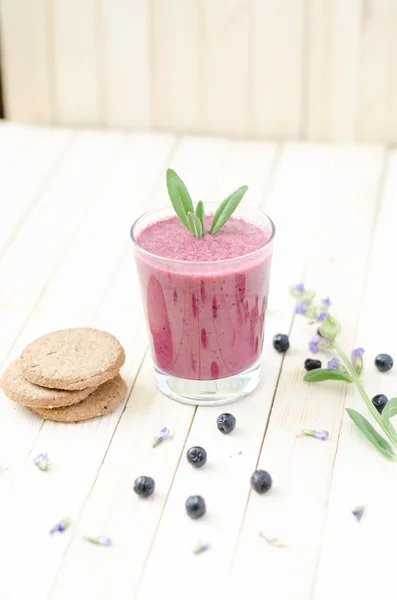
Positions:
(201, 262)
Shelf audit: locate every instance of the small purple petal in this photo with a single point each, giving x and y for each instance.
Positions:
(333, 363)
(357, 352)
(326, 302)
(313, 347)
(161, 437)
(299, 288)
(321, 316)
(301, 308)
(321, 434)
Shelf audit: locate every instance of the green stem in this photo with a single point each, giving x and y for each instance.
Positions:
(364, 394)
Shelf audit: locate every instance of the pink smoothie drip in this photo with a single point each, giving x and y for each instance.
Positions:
(205, 325)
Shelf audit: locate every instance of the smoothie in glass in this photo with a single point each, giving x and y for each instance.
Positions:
(205, 301)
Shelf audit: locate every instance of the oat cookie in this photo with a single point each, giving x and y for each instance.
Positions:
(73, 359)
(19, 389)
(103, 401)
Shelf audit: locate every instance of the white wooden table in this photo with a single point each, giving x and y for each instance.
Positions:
(68, 199)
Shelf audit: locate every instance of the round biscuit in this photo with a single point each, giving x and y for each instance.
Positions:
(103, 401)
(19, 389)
(73, 359)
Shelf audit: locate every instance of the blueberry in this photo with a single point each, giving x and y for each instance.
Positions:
(196, 456)
(311, 363)
(226, 422)
(384, 362)
(144, 486)
(261, 481)
(281, 342)
(380, 402)
(195, 506)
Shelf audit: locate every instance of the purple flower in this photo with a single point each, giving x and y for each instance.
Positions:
(333, 363)
(200, 547)
(313, 344)
(326, 302)
(321, 316)
(61, 526)
(100, 540)
(161, 437)
(41, 461)
(357, 352)
(301, 308)
(299, 288)
(358, 512)
(320, 434)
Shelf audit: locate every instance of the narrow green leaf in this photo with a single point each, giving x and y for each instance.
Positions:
(390, 409)
(180, 197)
(227, 208)
(387, 413)
(370, 433)
(194, 225)
(326, 374)
(200, 214)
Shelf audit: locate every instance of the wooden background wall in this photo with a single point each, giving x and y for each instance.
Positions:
(308, 69)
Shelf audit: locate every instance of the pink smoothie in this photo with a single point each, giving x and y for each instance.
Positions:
(205, 312)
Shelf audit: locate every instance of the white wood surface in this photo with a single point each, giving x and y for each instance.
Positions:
(268, 69)
(67, 261)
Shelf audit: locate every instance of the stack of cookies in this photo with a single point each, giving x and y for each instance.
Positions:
(69, 375)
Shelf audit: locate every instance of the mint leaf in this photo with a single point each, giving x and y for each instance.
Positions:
(227, 208)
(200, 214)
(179, 196)
(326, 374)
(194, 225)
(370, 433)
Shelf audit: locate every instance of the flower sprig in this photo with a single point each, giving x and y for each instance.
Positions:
(193, 219)
(344, 368)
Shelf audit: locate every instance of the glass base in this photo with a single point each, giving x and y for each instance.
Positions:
(208, 392)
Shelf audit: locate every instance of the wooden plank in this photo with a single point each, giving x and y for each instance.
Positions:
(277, 68)
(125, 49)
(334, 63)
(225, 483)
(177, 88)
(78, 70)
(361, 476)
(26, 176)
(225, 66)
(147, 411)
(121, 313)
(33, 254)
(294, 511)
(377, 88)
(26, 61)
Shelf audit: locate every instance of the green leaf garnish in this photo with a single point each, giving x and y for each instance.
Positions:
(180, 197)
(370, 433)
(200, 214)
(227, 208)
(326, 374)
(194, 225)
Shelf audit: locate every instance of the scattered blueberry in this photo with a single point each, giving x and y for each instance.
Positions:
(195, 506)
(383, 362)
(380, 402)
(311, 363)
(281, 342)
(226, 422)
(144, 486)
(196, 456)
(261, 481)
